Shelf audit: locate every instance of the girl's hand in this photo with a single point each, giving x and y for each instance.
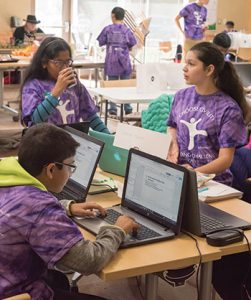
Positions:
(65, 78)
(127, 223)
(187, 166)
(86, 209)
(173, 152)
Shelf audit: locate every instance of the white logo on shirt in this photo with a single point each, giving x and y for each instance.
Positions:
(198, 18)
(193, 131)
(65, 113)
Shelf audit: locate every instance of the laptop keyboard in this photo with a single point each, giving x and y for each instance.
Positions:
(210, 224)
(143, 232)
(69, 195)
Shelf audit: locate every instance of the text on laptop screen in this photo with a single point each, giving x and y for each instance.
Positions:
(85, 159)
(154, 186)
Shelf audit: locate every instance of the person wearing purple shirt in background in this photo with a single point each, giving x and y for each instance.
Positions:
(206, 125)
(37, 235)
(195, 15)
(118, 39)
(51, 91)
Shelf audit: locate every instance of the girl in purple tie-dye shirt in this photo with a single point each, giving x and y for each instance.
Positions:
(207, 119)
(52, 93)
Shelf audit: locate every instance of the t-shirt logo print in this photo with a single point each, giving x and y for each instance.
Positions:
(64, 112)
(198, 18)
(193, 131)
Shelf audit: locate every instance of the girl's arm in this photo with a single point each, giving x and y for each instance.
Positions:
(173, 152)
(219, 164)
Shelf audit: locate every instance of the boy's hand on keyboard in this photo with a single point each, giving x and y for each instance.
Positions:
(127, 224)
(87, 209)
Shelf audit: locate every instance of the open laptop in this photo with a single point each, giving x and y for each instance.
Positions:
(86, 160)
(244, 71)
(153, 194)
(113, 159)
(81, 126)
(200, 218)
(151, 77)
(174, 76)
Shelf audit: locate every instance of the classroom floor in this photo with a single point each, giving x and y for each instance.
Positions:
(125, 289)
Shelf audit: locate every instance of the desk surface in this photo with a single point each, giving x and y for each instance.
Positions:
(176, 253)
(122, 95)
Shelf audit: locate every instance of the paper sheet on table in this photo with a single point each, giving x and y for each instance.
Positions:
(152, 142)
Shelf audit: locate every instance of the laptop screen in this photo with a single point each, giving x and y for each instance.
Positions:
(86, 159)
(244, 72)
(154, 188)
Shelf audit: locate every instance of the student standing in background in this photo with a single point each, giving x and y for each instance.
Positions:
(119, 40)
(195, 15)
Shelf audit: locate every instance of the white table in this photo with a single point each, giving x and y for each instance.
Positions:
(124, 95)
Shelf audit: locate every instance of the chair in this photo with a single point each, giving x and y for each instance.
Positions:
(243, 54)
(19, 297)
(121, 83)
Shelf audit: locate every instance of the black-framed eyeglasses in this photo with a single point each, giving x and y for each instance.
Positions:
(62, 63)
(72, 167)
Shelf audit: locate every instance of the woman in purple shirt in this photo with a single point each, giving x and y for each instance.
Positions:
(52, 93)
(207, 119)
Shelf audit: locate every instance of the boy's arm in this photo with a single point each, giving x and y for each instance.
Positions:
(87, 257)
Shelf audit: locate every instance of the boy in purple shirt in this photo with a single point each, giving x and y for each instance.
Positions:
(52, 93)
(118, 39)
(195, 15)
(36, 234)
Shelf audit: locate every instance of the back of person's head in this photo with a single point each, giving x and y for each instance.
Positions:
(43, 144)
(224, 75)
(119, 13)
(49, 49)
(222, 40)
(229, 24)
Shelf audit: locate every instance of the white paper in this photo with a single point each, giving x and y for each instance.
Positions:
(148, 141)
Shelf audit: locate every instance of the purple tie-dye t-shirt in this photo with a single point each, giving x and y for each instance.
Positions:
(204, 125)
(76, 104)
(35, 233)
(118, 40)
(194, 17)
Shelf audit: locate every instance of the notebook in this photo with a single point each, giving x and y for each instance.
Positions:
(113, 159)
(214, 191)
(200, 218)
(153, 194)
(151, 77)
(86, 160)
(244, 71)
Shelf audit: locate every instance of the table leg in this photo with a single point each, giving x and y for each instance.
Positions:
(206, 280)
(121, 112)
(151, 287)
(96, 77)
(1, 88)
(106, 110)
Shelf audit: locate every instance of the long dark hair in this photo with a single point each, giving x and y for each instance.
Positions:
(49, 49)
(225, 76)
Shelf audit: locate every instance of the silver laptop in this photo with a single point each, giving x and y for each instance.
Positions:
(86, 160)
(153, 194)
(200, 218)
(243, 69)
(151, 77)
